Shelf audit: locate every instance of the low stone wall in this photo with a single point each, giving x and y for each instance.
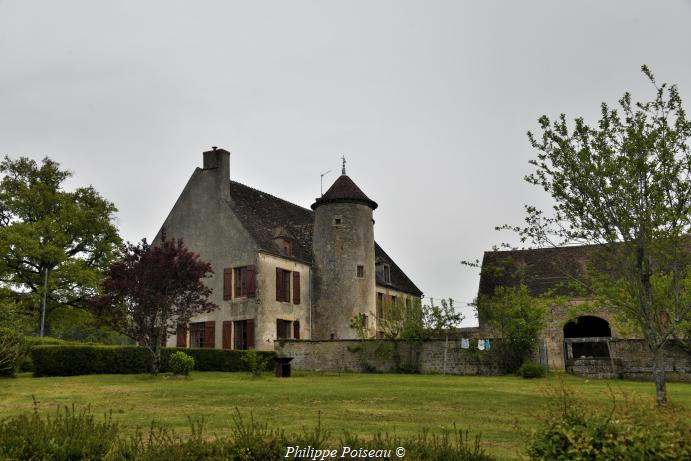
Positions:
(386, 356)
(631, 359)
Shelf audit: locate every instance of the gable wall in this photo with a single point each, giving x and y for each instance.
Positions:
(204, 220)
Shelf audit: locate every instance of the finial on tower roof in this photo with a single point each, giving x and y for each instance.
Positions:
(344, 162)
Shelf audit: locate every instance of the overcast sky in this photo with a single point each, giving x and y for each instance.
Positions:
(428, 100)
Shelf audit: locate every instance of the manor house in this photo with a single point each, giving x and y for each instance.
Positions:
(282, 271)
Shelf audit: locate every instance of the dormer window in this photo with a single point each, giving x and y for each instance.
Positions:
(287, 247)
(383, 271)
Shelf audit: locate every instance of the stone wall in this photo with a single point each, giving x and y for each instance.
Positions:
(388, 356)
(631, 359)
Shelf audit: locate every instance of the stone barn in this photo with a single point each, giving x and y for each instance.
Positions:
(591, 343)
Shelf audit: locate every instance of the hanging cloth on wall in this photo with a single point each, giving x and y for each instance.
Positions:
(481, 344)
(465, 343)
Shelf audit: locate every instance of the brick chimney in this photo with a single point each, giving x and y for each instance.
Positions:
(219, 160)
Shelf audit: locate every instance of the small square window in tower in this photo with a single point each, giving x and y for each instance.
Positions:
(338, 220)
(361, 271)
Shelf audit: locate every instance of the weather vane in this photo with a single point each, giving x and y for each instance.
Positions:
(344, 162)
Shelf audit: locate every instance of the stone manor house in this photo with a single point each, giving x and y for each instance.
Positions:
(282, 271)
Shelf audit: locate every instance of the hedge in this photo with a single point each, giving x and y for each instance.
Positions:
(71, 360)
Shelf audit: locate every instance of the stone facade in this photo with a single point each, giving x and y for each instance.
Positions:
(278, 244)
(343, 240)
(380, 356)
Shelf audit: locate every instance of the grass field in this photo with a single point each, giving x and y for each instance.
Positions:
(502, 409)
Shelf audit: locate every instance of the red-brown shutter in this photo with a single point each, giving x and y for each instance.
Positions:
(182, 336)
(227, 283)
(250, 334)
(296, 330)
(227, 332)
(279, 284)
(296, 288)
(210, 334)
(251, 283)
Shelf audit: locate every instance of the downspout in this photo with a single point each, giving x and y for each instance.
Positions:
(310, 279)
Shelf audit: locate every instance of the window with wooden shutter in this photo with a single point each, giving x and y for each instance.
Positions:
(250, 334)
(227, 334)
(182, 336)
(282, 285)
(210, 334)
(296, 288)
(296, 330)
(227, 283)
(197, 331)
(283, 329)
(240, 334)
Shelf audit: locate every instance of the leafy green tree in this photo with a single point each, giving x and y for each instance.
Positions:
(517, 318)
(624, 185)
(43, 227)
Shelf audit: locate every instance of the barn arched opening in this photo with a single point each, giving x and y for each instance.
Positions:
(587, 336)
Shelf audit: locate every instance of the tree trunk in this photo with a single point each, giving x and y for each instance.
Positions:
(156, 362)
(659, 375)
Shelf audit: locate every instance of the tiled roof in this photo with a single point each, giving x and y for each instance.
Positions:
(265, 216)
(344, 190)
(540, 269)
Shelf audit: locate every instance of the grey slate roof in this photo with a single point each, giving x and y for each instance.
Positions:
(262, 214)
(344, 190)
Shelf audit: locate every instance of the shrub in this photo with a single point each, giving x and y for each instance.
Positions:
(75, 435)
(575, 430)
(256, 362)
(180, 363)
(66, 436)
(531, 370)
(11, 346)
(85, 359)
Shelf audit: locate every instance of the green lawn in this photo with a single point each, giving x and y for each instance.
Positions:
(501, 408)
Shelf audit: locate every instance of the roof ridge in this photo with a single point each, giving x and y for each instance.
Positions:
(272, 196)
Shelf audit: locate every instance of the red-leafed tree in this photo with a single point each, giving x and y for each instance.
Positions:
(151, 290)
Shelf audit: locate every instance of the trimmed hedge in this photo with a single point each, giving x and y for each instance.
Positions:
(71, 360)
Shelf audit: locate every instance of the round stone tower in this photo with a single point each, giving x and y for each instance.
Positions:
(343, 270)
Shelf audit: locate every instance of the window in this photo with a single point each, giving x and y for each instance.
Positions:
(282, 285)
(387, 273)
(394, 300)
(283, 328)
(380, 305)
(338, 220)
(202, 334)
(287, 247)
(244, 278)
(243, 334)
(361, 271)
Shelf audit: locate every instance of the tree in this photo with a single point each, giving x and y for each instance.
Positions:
(625, 186)
(152, 290)
(517, 318)
(43, 227)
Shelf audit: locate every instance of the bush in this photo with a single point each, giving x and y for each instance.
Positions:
(574, 430)
(70, 360)
(531, 370)
(73, 435)
(256, 362)
(11, 347)
(180, 363)
(68, 435)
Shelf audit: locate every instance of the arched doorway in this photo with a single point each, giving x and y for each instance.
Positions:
(587, 336)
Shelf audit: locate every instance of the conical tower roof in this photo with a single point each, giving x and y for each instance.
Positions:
(344, 190)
